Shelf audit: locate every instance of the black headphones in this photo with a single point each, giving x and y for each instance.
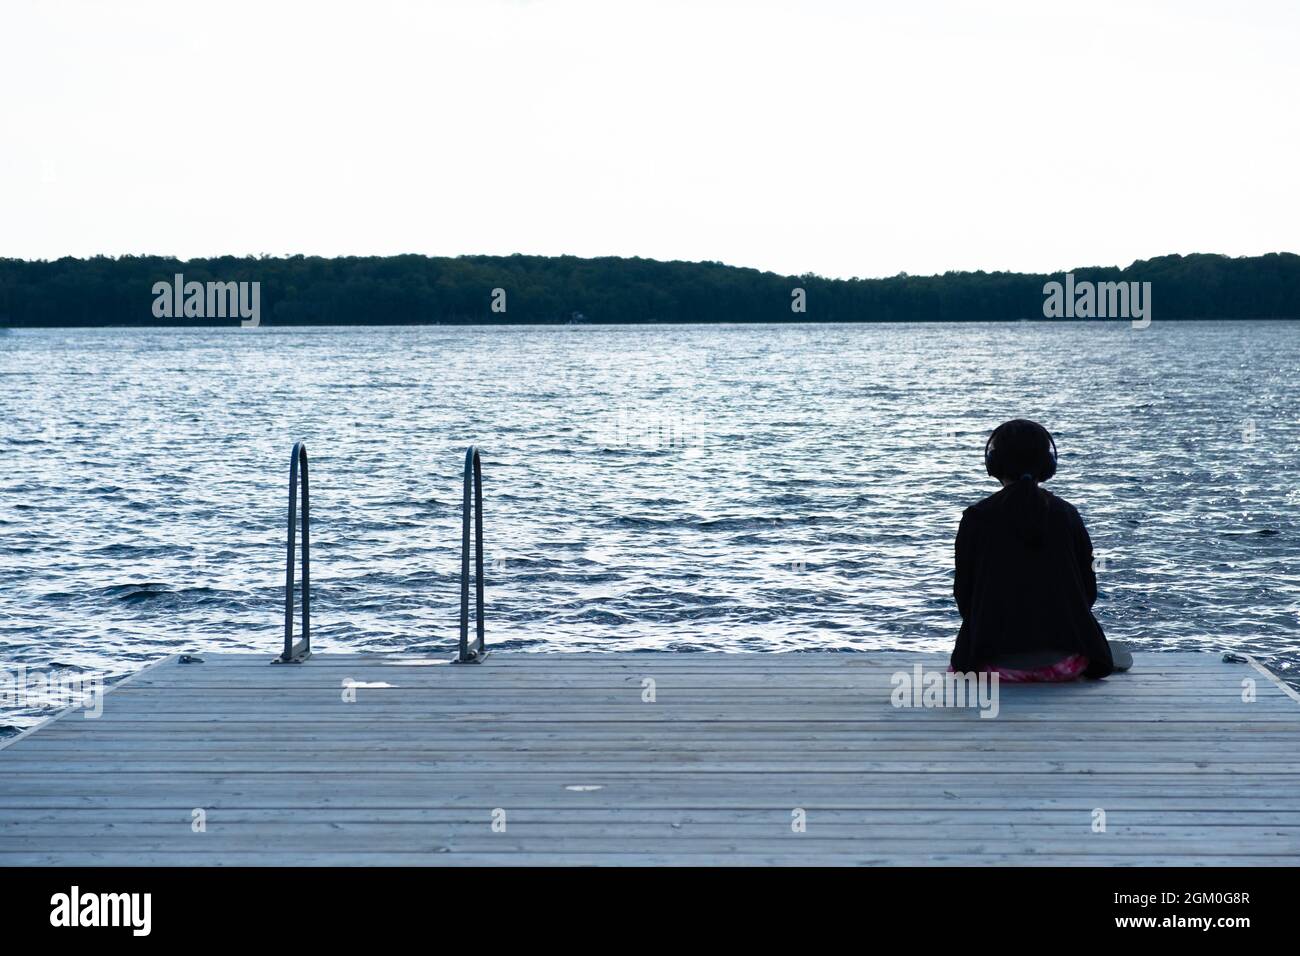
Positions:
(993, 463)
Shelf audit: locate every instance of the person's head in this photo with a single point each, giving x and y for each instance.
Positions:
(1020, 450)
(1020, 454)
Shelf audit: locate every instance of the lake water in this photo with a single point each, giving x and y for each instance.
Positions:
(661, 488)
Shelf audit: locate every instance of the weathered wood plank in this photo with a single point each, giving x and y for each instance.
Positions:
(664, 762)
(795, 857)
(267, 845)
(79, 819)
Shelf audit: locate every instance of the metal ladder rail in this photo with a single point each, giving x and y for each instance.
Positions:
(472, 504)
(297, 653)
(474, 474)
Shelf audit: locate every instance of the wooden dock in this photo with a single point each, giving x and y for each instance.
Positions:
(566, 759)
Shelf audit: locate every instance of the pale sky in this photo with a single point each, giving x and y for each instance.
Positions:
(847, 139)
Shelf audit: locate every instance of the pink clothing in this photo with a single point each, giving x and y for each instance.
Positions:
(1066, 669)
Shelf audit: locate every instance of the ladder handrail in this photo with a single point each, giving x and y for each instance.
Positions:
(296, 654)
(474, 471)
(472, 505)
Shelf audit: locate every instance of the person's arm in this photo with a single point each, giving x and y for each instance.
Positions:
(963, 582)
(1083, 555)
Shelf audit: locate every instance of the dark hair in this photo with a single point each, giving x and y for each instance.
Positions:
(1023, 453)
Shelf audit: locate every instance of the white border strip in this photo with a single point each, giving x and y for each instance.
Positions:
(1281, 684)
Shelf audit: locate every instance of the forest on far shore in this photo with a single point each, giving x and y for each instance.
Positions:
(414, 289)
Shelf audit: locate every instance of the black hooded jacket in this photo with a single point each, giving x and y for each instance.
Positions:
(1020, 593)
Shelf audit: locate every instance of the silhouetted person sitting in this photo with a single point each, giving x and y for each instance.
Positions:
(1025, 583)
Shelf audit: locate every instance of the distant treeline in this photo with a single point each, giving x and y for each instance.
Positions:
(413, 289)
